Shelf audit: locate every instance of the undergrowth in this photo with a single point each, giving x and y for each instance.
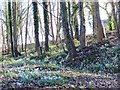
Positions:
(34, 70)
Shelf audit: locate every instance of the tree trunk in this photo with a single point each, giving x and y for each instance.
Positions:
(82, 25)
(26, 29)
(58, 24)
(3, 40)
(20, 25)
(7, 29)
(51, 23)
(45, 8)
(100, 33)
(21, 34)
(94, 30)
(115, 18)
(93, 17)
(36, 26)
(68, 40)
(69, 20)
(75, 22)
(10, 27)
(119, 16)
(16, 53)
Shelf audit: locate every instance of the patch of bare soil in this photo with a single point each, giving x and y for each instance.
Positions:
(96, 82)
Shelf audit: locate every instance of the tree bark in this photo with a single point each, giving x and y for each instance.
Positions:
(68, 40)
(75, 21)
(93, 17)
(7, 29)
(51, 23)
(69, 20)
(26, 30)
(82, 26)
(16, 53)
(100, 33)
(10, 27)
(36, 26)
(45, 8)
(115, 18)
(119, 16)
(3, 40)
(58, 24)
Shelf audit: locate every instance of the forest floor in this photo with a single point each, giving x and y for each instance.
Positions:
(95, 67)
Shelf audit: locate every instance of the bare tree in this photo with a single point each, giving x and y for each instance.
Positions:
(36, 26)
(118, 15)
(58, 24)
(26, 29)
(16, 53)
(10, 27)
(69, 20)
(45, 11)
(68, 40)
(75, 21)
(21, 31)
(51, 22)
(7, 28)
(82, 25)
(100, 34)
(115, 18)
